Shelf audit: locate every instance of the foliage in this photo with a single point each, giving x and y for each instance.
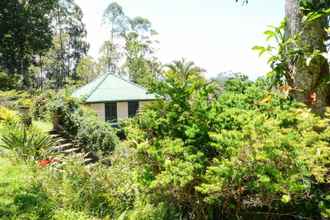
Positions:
(87, 69)
(9, 82)
(18, 199)
(110, 56)
(210, 154)
(8, 116)
(131, 43)
(40, 107)
(69, 45)
(66, 190)
(82, 125)
(70, 215)
(41, 41)
(14, 99)
(141, 65)
(25, 32)
(27, 142)
(298, 53)
(284, 53)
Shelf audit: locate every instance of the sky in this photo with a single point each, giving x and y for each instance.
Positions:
(217, 35)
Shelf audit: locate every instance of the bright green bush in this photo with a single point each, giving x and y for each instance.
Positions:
(8, 116)
(66, 190)
(246, 150)
(83, 125)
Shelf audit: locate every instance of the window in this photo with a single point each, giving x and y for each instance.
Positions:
(133, 107)
(111, 112)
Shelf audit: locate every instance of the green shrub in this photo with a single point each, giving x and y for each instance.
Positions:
(144, 210)
(9, 82)
(15, 99)
(40, 108)
(19, 198)
(246, 150)
(8, 116)
(97, 191)
(83, 125)
(61, 214)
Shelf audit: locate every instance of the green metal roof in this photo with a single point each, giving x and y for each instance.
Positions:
(108, 88)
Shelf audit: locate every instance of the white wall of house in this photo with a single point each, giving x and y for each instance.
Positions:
(122, 109)
(99, 108)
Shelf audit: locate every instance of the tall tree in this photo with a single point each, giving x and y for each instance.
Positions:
(25, 32)
(310, 82)
(141, 64)
(87, 69)
(69, 44)
(117, 22)
(303, 49)
(129, 49)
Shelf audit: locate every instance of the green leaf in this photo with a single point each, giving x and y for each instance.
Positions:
(286, 199)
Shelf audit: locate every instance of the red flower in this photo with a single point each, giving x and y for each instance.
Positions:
(312, 98)
(45, 163)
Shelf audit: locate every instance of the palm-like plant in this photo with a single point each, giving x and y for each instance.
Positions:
(26, 142)
(185, 70)
(180, 79)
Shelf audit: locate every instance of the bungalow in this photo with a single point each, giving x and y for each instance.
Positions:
(114, 98)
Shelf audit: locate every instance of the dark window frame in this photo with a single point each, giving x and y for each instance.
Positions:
(132, 108)
(111, 111)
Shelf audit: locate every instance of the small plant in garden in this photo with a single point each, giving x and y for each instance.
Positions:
(27, 142)
(8, 116)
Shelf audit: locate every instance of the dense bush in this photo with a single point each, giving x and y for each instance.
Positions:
(40, 105)
(19, 199)
(9, 82)
(244, 152)
(83, 125)
(197, 153)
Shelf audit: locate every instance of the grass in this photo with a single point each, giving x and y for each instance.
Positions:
(13, 178)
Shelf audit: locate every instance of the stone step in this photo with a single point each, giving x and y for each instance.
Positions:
(71, 150)
(55, 135)
(61, 141)
(89, 160)
(61, 147)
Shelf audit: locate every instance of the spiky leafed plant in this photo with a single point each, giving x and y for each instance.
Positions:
(26, 142)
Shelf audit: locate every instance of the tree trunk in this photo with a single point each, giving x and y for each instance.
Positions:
(309, 82)
(25, 74)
